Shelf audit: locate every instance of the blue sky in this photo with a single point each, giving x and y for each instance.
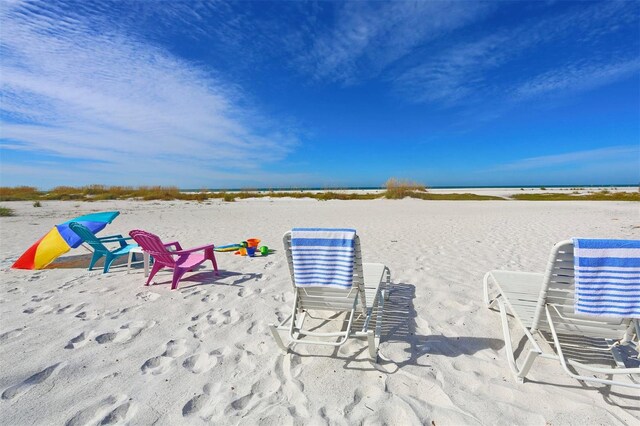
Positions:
(270, 94)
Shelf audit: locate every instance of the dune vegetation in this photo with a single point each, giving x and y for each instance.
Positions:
(576, 196)
(394, 189)
(5, 211)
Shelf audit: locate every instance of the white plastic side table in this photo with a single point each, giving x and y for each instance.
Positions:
(145, 256)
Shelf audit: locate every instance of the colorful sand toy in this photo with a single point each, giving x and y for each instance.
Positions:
(250, 248)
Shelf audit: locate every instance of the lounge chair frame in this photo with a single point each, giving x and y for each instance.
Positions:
(364, 300)
(543, 306)
(98, 249)
(173, 256)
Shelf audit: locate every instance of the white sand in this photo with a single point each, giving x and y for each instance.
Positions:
(80, 347)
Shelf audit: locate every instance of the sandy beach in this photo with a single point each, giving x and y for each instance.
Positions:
(86, 348)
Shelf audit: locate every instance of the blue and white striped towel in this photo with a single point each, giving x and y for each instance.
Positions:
(607, 276)
(323, 257)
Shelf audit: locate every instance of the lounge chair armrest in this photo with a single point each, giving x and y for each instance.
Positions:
(116, 236)
(113, 239)
(201, 248)
(174, 244)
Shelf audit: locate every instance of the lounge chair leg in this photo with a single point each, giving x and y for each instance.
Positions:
(177, 274)
(147, 259)
(108, 260)
(488, 302)
(213, 260)
(528, 362)
(131, 256)
(277, 338)
(373, 348)
(94, 259)
(156, 267)
(387, 288)
(518, 372)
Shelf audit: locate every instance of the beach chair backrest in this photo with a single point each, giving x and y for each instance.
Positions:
(330, 299)
(88, 237)
(153, 245)
(558, 291)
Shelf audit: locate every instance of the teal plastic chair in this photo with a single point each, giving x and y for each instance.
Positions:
(99, 249)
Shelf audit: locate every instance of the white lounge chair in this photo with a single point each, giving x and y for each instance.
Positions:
(363, 301)
(543, 306)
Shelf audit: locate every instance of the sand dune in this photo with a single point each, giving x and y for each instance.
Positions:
(80, 347)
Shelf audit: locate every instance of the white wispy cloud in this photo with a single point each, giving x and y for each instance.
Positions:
(474, 71)
(74, 91)
(626, 153)
(577, 77)
(368, 37)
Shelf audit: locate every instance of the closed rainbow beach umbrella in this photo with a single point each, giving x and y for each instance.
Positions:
(60, 240)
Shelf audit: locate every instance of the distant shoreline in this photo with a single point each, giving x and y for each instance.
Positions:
(382, 188)
(392, 191)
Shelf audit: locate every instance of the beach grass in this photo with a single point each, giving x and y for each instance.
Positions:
(395, 189)
(594, 196)
(454, 197)
(399, 188)
(5, 212)
(19, 193)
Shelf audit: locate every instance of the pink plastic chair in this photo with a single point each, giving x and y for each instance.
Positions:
(179, 260)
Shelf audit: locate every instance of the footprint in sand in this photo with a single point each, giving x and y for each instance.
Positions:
(202, 362)
(114, 409)
(204, 403)
(263, 388)
(212, 298)
(41, 298)
(280, 317)
(188, 293)
(35, 276)
(40, 309)
(284, 371)
(162, 363)
(268, 264)
(70, 308)
(17, 290)
(249, 291)
(279, 298)
(199, 329)
(205, 320)
(89, 315)
(260, 389)
(104, 289)
(147, 296)
(127, 332)
(25, 385)
(80, 340)
(244, 358)
(12, 334)
(357, 397)
(70, 283)
(120, 312)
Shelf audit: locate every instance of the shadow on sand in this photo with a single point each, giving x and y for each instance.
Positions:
(399, 326)
(195, 278)
(81, 261)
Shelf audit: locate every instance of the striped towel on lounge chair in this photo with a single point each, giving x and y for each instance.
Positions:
(607, 277)
(323, 257)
